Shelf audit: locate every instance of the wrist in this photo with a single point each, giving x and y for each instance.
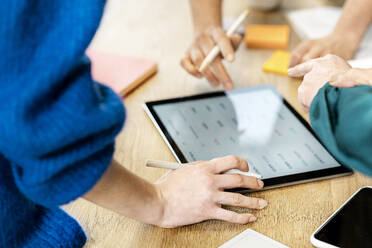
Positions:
(362, 76)
(369, 76)
(199, 29)
(353, 39)
(205, 14)
(158, 206)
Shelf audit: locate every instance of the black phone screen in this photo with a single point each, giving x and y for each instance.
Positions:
(352, 225)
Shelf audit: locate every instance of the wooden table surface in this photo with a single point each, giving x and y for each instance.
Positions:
(162, 30)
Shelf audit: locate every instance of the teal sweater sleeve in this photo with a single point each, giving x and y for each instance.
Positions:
(342, 118)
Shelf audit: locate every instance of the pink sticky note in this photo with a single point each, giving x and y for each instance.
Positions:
(120, 72)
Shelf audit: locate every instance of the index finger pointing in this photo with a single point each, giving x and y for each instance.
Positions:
(301, 69)
(299, 52)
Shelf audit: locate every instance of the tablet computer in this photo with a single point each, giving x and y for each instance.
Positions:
(255, 123)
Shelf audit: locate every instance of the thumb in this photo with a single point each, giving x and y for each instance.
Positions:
(348, 79)
(344, 84)
(235, 40)
(163, 177)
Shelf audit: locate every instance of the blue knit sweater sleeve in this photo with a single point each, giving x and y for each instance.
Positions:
(342, 119)
(57, 126)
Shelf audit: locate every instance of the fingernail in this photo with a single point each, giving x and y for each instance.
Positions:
(252, 219)
(230, 57)
(260, 183)
(262, 203)
(290, 70)
(229, 86)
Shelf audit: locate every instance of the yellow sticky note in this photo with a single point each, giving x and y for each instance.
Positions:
(267, 36)
(277, 63)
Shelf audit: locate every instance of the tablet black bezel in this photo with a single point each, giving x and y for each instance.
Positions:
(270, 182)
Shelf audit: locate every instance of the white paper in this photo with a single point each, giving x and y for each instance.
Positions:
(361, 63)
(250, 238)
(315, 23)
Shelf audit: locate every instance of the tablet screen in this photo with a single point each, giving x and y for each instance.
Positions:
(253, 123)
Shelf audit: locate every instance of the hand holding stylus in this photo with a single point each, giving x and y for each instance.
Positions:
(203, 195)
(213, 44)
(174, 166)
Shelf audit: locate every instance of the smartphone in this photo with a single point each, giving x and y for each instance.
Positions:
(350, 225)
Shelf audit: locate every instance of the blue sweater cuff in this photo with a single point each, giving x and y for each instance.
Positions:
(70, 183)
(55, 228)
(71, 171)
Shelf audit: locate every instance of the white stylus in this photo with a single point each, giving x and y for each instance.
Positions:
(216, 50)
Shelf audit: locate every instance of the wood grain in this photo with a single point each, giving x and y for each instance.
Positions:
(162, 30)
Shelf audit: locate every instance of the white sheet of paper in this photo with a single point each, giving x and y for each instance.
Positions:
(314, 23)
(251, 238)
(361, 63)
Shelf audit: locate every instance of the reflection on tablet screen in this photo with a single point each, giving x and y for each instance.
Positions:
(253, 124)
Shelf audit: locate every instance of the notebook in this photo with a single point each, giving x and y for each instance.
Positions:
(120, 72)
(251, 238)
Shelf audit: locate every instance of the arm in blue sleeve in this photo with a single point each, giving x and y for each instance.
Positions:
(342, 118)
(57, 126)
